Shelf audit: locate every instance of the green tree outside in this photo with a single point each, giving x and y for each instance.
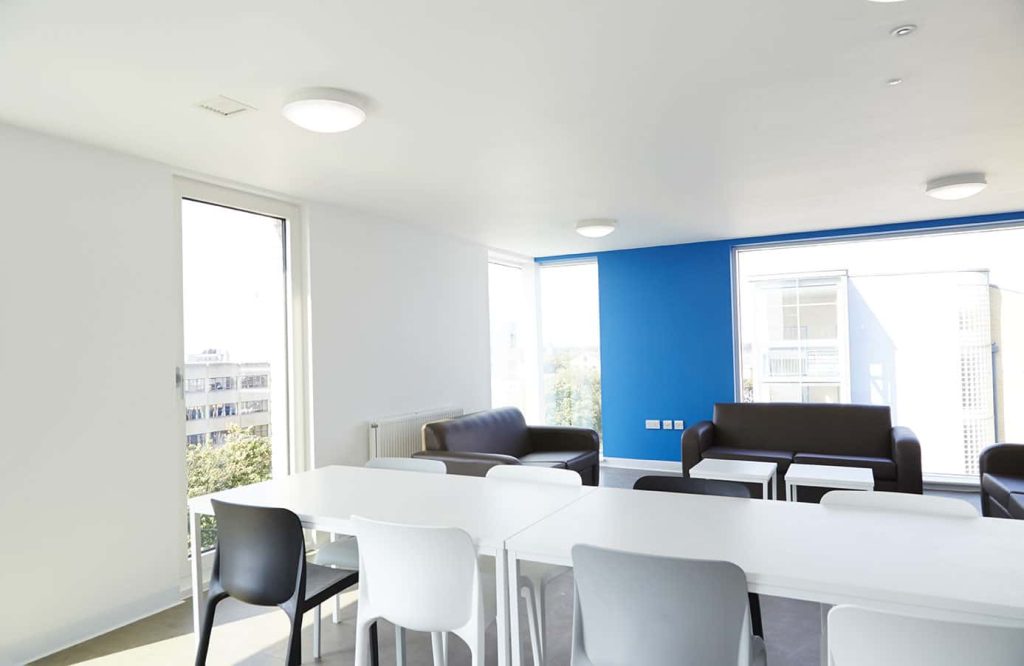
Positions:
(244, 458)
(573, 391)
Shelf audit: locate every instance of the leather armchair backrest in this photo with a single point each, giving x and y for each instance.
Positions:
(492, 431)
(849, 430)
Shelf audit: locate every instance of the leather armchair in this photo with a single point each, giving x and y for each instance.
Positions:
(787, 433)
(1002, 481)
(474, 443)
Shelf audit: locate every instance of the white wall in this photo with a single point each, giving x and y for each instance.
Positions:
(399, 324)
(91, 465)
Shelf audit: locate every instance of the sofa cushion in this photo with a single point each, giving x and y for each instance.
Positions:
(846, 430)
(783, 458)
(575, 460)
(883, 468)
(1000, 487)
(492, 431)
(1016, 506)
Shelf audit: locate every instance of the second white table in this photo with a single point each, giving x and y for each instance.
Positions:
(827, 476)
(744, 471)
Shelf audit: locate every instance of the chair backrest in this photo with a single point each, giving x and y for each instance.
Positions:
(904, 502)
(261, 553)
(424, 465)
(561, 477)
(500, 430)
(861, 637)
(678, 484)
(851, 430)
(658, 611)
(420, 578)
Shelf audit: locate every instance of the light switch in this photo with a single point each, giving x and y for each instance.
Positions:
(652, 424)
(666, 424)
(680, 425)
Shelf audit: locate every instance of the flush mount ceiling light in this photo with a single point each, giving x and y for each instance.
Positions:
(903, 30)
(596, 227)
(960, 186)
(326, 110)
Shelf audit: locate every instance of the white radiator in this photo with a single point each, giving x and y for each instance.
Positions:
(401, 436)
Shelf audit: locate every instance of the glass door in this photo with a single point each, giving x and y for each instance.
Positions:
(235, 370)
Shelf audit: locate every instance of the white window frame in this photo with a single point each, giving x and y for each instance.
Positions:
(297, 322)
(531, 341)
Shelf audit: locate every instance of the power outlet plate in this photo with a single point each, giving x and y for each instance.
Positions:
(679, 425)
(652, 424)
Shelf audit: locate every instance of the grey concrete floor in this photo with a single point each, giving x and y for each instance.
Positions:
(256, 636)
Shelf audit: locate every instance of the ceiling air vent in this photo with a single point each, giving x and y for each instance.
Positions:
(224, 106)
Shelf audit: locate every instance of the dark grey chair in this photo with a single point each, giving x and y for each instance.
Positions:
(690, 486)
(261, 560)
(1002, 481)
(659, 611)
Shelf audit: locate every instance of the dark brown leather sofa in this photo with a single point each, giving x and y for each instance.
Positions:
(1002, 481)
(474, 443)
(813, 434)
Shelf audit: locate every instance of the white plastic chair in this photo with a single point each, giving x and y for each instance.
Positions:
(343, 553)
(903, 502)
(424, 579)
(534, 576)
(862, 637)
(659, 611)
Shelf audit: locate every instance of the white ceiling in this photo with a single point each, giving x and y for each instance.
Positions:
(504, 122)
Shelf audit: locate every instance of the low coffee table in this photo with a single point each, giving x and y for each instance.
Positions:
(744, 471)
(827, 476)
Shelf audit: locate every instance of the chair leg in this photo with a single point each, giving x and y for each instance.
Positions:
(542, 619)
(207, 629)
(532, 620)
(399, 646)
(366, 642)
(756, 625)
(294, 657)
(316, 632)
(436, 642)
(337, 609)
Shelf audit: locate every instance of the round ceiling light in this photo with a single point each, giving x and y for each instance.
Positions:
(326, 110)
(960, 186)
(596, 227)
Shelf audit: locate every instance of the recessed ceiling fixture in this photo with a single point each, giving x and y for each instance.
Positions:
(596, 227)
(959, 186)
(903, 30)
(326, 110)
(894, 82)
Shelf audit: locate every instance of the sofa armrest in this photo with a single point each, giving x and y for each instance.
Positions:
(468, 463)
(906, 452)
(695, 440)
(563, 438)
(1005, 459)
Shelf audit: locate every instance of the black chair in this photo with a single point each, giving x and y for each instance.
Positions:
(689, 486)
(261, 560)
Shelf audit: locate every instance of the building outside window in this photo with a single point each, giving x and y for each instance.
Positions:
(254, 406)
(931, 324)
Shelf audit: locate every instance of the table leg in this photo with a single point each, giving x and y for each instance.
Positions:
(197, 572)
(764, 490)
(502, 599)
(825, 660)
(513, 608)
(773, 482)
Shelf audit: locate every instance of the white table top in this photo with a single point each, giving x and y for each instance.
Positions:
(956, 568)
(832, 476)
(733, 470)
(490, 510)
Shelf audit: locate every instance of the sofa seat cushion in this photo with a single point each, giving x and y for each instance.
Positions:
(1016, 506)
(883, 468)
(575, 460)
(783, 458)
(1000, 487)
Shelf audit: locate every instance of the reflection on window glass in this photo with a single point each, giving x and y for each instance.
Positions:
(570, 343)
(930, 324)
(509, 324)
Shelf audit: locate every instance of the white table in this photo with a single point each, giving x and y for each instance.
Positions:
(744, 471)
(827, 476)
(932, 566)
(325, 499)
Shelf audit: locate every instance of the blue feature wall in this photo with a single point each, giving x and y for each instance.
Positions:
(667, 333)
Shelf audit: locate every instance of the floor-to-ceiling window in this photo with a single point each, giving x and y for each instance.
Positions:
(513, 327)
(930, 323)
(570, 348)
(235, 370)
